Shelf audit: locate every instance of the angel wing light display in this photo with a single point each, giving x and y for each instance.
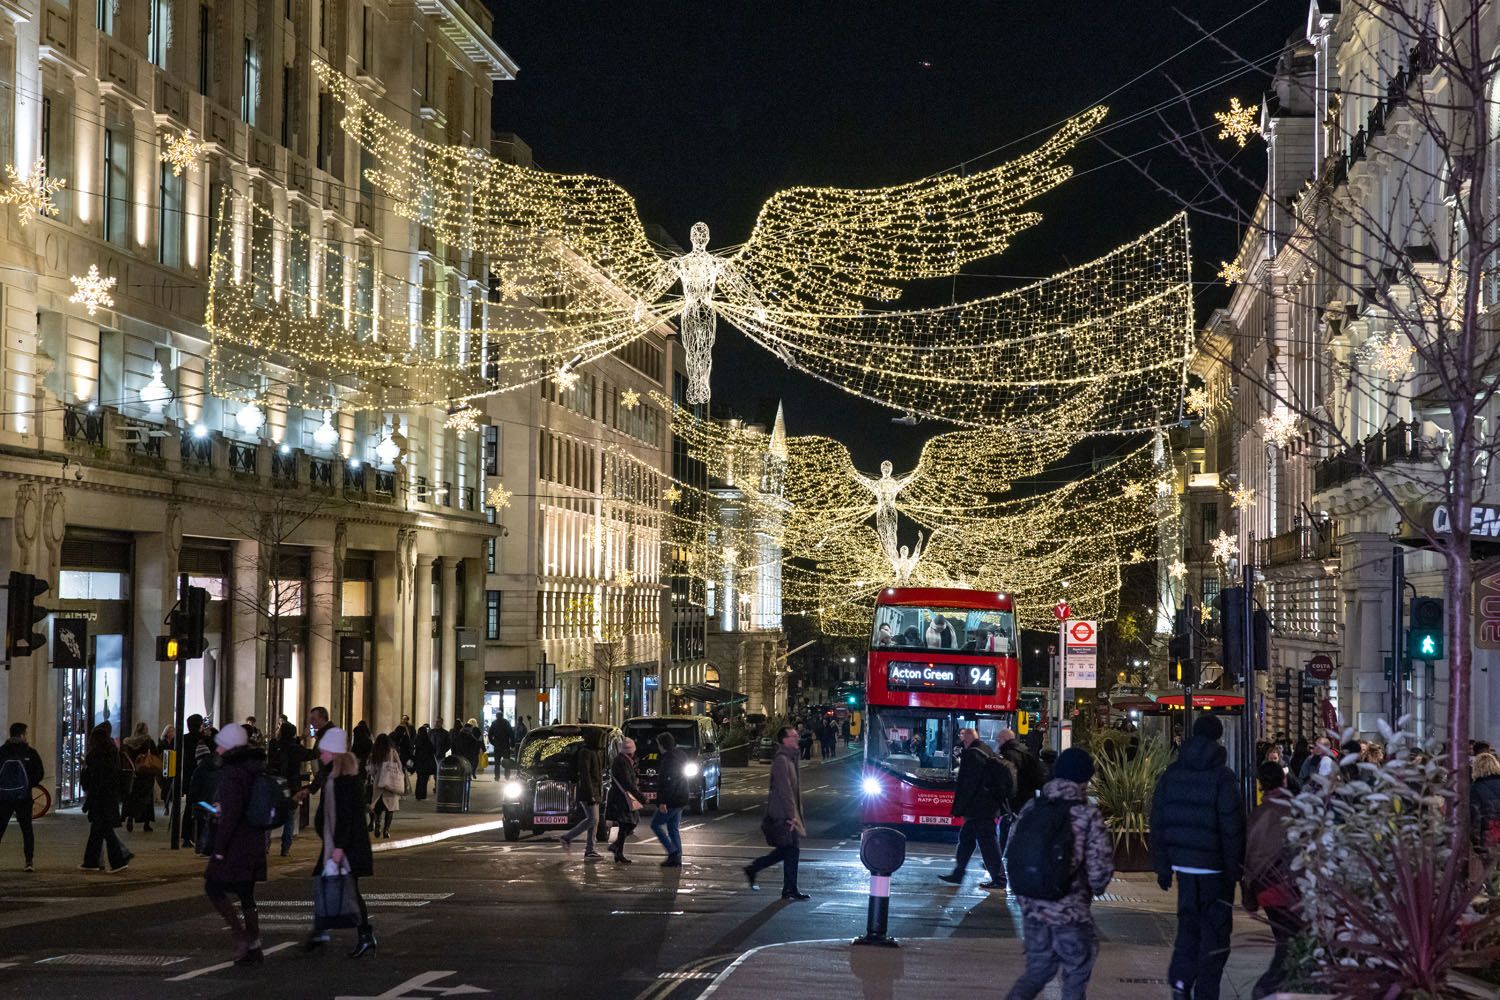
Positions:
(815, 283)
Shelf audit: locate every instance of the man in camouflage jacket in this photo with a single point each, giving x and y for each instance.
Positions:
(1059, 933)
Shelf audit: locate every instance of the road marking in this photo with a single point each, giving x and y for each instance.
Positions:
(667, 982)
(42, 899)
(646, 913)
(690, 826)
(225, 965)
(418, 985)
(441, 835)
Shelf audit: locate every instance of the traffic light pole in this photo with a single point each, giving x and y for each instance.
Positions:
(1248, 763)
(1398, 587)
(179, 723)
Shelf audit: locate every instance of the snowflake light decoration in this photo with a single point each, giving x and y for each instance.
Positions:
(93, 290)
(1196, 401)
(1280, 427)
(1231, 272)
(1242, 498)
(1177, 569)
(498, 497)
(1238, 122)
(566, 378)
(629, 398)
(32, 194)
(672, 494)
(464, 420)
(1391, 356)
(182, 151)
(1133, 489)
(1225, 548)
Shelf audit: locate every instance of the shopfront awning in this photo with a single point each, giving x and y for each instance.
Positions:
(710, 694)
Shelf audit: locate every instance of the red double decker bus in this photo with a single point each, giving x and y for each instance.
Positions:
(940, 660)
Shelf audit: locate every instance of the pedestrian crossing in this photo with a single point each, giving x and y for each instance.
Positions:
(284, 912)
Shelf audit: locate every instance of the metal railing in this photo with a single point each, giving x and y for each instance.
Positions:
(82, 426)
(242, 458)
(1298, 544)
(320, 473)
(197, 452)
(354, 482)
(1397, 443)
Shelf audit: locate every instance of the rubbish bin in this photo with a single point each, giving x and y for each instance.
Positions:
(453, 778)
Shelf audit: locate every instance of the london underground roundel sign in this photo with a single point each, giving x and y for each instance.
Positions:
(1081, 633)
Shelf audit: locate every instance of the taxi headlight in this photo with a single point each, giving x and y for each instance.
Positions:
(690, 769)
(514, 790)
(871, 786)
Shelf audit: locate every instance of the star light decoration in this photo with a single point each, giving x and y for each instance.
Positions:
(465, 420)
(32, 194)
(1280, 427)
(92, 290)
(566, 378)
(1231, 272)
(182, 151)
(1177, 569)
(498, 497)
(1242, 498)
(671, 494)
(1225, 547)
(1239, 122)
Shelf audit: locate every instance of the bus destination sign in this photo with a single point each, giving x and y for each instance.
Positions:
(949, 678)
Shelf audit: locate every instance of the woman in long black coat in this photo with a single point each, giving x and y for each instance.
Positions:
(140, 796)
(624, 800)
(238, 860)
(425, 755)
(101, 803)
(343, 835)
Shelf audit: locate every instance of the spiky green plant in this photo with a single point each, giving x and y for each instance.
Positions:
(1123, 784)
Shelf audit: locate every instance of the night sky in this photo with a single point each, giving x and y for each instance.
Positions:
(703, 109)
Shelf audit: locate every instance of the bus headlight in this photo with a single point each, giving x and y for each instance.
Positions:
(690, 769)
(513, 791)
(871, 786)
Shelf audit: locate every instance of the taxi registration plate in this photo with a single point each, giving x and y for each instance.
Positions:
(550, 820)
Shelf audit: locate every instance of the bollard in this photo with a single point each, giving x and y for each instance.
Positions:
(882, 850)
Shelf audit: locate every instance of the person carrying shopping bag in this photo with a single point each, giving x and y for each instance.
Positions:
(387, 784)
(623, 806)
(783, 826)
(345, 856)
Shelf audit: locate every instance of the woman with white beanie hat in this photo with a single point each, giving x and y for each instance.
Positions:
(340, 823)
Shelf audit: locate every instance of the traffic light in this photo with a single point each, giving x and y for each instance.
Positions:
(1231, 602)
(1260, 655)
(194, 620)
(23, 615)
(1424, 640)
(850, 699)
(1182, 649)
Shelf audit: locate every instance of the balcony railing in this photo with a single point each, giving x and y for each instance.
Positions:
(320, 474)
(283, 468)
(385, 483)
(1299, 544)
(242, 458)
(82, 426)
(197, 452)
(466, 498)
(1397, 443)
(354, 482)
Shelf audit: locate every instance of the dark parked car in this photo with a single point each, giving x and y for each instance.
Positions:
(698, 742)
(541, 786)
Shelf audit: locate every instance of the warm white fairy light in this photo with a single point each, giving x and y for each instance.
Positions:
(1391, 355)
(671, 494)
(464, 420)
(566, 378)
(1196, 402)
(1242, 498)
(1205, 613)
(92, 290)
(32, 194)
(1231, 272)
(1137, 555)
(625, 578)
(1239, 122)
(1177, 569)
(1280, 428)
(1225, 547)
(498, 497)
(629, 398)
(182, 151)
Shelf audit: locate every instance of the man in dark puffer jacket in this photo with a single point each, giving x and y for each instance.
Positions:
(1198, 832)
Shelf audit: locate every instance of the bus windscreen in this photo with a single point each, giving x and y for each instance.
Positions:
(955, 630)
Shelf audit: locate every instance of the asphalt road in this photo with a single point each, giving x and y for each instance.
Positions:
(527, 919)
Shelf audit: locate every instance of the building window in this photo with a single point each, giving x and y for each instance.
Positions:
(159, 32)
(116, 184)
(492, 450)
(169, 218)
(104, 18)
(286, 105)
(205, 49)
(250, 83)
(323, 23)
(367, 39)
(492, 614)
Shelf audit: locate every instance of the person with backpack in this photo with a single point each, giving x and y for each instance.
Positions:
(20, 772)
(1198, 836)
(986, 781)
(101, 788)
(782, 825)
(1030, 777)
(203, 790)
(285, 762)
(1060, 857)
(1269, 884)
(424, 756)
(239, 840)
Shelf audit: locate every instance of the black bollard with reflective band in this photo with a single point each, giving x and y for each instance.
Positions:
(882, 850)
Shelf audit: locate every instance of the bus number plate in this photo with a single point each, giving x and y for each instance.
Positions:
(935, 820)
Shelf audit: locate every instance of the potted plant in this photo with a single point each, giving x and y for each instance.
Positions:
(1123, 784)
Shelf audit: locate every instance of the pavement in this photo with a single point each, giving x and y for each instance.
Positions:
(474, 914)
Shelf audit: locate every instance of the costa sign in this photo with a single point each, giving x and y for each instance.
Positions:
(1320, 667)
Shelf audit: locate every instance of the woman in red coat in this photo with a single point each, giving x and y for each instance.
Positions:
(238, 860)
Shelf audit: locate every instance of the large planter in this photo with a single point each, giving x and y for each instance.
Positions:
(735, 756)
(1133, 852)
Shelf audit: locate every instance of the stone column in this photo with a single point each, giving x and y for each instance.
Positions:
(388, 672)
(321, 684)
(154, 579)
(448, 621)
(1366, 585)
(239, 691)
(472, 696)
(427, 709)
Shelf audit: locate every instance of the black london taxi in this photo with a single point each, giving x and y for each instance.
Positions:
(541, 781)
(696, 738)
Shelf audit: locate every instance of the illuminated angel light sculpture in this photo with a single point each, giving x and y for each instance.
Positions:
(814, 281)
(886, 489)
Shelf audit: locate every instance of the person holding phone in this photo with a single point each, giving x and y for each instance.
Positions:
(238, 858)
